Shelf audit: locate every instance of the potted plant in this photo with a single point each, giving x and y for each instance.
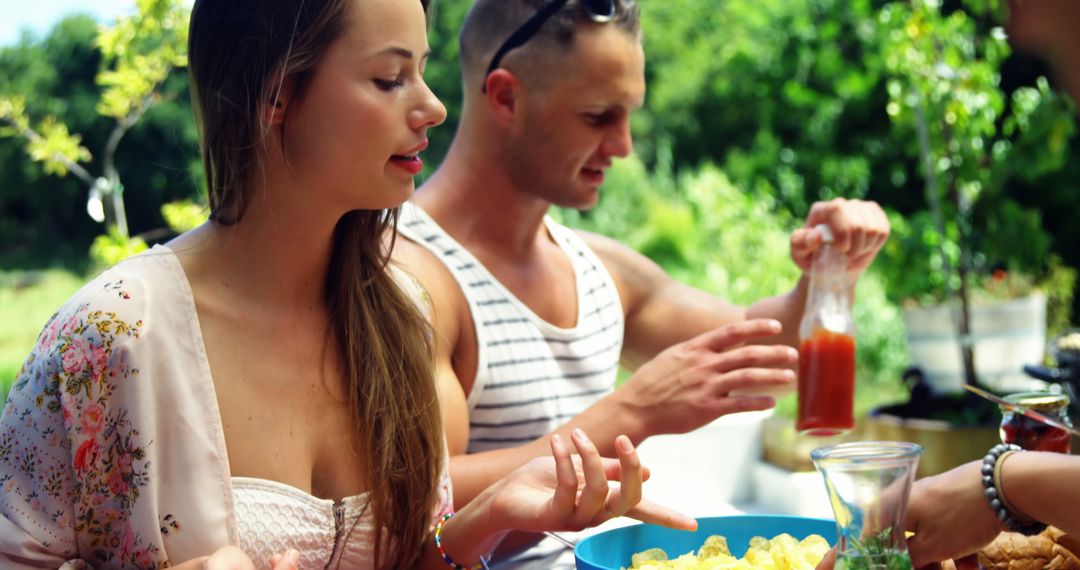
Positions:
(971, 268)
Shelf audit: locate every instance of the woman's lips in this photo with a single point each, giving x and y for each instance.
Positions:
(412, 164)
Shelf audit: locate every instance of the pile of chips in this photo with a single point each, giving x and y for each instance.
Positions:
(781, 553)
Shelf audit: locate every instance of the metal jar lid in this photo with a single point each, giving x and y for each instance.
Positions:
(1040, 401)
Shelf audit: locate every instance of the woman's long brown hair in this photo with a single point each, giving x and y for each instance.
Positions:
(239, 51)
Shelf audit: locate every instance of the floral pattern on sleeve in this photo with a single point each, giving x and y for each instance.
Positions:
(72, 465)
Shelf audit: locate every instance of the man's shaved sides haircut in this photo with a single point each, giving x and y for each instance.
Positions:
(490, 22)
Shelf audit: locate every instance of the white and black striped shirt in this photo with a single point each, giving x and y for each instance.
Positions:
(531, 376)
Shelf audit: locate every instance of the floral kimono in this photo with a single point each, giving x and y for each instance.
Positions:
(112, 452)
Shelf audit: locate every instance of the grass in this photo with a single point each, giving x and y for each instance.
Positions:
(27, 300)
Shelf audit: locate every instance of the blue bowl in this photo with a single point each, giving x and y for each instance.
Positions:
(612, 549)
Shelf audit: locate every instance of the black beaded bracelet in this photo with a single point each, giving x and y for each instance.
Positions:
(991, 480)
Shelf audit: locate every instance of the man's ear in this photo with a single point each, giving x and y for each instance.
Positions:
(502, 92)
(279, 95)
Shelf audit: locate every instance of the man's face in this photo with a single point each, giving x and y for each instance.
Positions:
(576, 120)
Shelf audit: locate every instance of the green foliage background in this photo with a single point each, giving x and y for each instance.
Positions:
(755, 109)
(43, 220)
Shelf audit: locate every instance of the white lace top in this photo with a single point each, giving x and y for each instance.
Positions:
(272, 517)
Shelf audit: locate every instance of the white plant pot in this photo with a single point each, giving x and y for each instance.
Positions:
(1007, 335)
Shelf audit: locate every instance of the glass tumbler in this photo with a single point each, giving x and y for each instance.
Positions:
(869, 484)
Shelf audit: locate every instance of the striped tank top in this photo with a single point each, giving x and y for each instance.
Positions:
(531, 376)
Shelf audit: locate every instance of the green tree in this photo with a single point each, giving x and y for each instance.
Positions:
(137, 55)
(796, 101)
(443, 73)
(785, 95)
(945, 97)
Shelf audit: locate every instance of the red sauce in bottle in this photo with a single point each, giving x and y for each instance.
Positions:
(1034, 435)
(826, 384)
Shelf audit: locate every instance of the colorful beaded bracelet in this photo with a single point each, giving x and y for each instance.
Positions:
(1010, 517)
(482, 565)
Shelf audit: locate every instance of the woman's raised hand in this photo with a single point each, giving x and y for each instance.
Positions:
(568, 492)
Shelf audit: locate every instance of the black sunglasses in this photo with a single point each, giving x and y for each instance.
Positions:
(599, 11)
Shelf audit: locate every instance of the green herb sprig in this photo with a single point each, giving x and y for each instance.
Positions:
(873, 553)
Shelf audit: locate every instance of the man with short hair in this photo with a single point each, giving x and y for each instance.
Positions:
(532, 319)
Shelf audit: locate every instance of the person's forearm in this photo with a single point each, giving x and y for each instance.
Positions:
(787, 308)
(605, 420)
(1044, 486)
(473, 472)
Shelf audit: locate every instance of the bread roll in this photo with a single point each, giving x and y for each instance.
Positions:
(1049, 550)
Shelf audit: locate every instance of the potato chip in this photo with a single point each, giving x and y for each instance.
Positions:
(650, 555)
(783, 552)
(814, 548)
(715, 545)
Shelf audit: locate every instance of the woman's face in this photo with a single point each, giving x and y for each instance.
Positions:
(354, 134)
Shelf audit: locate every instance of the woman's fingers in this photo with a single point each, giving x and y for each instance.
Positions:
(595, 492)
(288, 561)
(625, 498)
(566, 481)
(828, 561)
(590, 489)
(649, 512)
(629, 492)
(613, 470)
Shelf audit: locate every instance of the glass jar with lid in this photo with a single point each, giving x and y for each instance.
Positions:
(1031, 434)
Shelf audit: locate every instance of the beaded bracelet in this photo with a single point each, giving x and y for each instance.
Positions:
(1009, 516)
(482, 565)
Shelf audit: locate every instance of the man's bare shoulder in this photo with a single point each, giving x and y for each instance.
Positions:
(599, 243)
(432, 273)
(635, 275)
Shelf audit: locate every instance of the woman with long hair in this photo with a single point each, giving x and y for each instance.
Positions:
(259, 391)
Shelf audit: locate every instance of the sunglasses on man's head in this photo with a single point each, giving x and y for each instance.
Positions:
(599, 11)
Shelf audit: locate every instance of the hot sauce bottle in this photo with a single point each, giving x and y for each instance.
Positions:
(827, 346)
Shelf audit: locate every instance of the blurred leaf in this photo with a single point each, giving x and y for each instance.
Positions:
(139, 51)
(56, 142)
(111, 248)
(184, 215)
(13, 110)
